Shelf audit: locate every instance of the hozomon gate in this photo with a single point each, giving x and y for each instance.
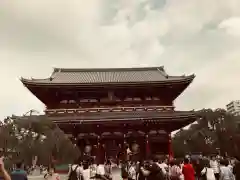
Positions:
(106, 108)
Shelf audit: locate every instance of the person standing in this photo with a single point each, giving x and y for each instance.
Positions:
(108, 169)
(52, 175)
(174, 170)
(208, 172)
(214, 164)
(236, 168)
(225, 171)
(132, 172)
(86, 171)
(100, 171)
(188, 170)
(3, 173)
(153, 172)
(19, 173)
(124, 170)
(164, 167)
(198, 167)
(141, 171)
(75, 170)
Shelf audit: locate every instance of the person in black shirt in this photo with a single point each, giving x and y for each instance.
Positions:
(124, 170)
(155, 172)
(141, 176)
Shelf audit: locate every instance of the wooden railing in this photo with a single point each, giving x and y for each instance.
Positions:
(109, 109)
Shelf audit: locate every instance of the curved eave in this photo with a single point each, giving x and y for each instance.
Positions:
(170, 124)
(187, 120)
(123, 117)
(45, 82)
(39, 97)
(181, 88)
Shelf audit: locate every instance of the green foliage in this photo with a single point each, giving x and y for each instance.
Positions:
(23, 138)
(214, 131)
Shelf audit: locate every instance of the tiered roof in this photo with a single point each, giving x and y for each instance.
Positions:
(61, 76)
(129, 78)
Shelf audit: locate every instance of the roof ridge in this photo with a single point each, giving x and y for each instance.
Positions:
(157, 68)
(162, 71)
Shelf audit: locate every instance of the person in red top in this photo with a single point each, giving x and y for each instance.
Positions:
(188, 170)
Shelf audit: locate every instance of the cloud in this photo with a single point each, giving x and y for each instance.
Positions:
(231, 26)
(187, 36)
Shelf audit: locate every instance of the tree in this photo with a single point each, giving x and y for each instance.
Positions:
(30, 136)
(214, 129)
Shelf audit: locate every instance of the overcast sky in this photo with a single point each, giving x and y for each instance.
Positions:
(186, 36)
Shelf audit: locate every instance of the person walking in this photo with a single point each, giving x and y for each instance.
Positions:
(3, 173)
(124, 170)
(207, 172)
(214, 164)
(19, 173)
(75, 170)
(132, 171)
(188, 170)
(51, 175)
(225, 171)
(236, 168)
(175, 170)
(108, 169)
(198, 166)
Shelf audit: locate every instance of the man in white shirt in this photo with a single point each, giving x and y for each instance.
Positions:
(214, 164)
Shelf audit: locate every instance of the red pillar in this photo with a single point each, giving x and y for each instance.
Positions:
(170, 150)
(148, 150)
(98, 154)
(100, 158)
(124, 148)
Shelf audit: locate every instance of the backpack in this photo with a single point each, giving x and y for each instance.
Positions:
(73, 174)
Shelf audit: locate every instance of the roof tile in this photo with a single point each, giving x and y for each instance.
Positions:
(117, 75)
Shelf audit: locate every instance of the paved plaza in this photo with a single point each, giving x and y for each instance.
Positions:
(36, 176)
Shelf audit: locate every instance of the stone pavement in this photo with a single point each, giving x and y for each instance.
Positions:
(116, 176)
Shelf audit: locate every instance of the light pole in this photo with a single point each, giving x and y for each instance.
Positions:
(219, 130)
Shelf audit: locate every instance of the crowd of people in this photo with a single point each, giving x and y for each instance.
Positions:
(201, 168)
(155, 168)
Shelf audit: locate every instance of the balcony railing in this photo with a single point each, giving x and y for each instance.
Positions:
(108, 109)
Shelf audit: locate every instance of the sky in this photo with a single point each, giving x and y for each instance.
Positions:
(185, 36)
